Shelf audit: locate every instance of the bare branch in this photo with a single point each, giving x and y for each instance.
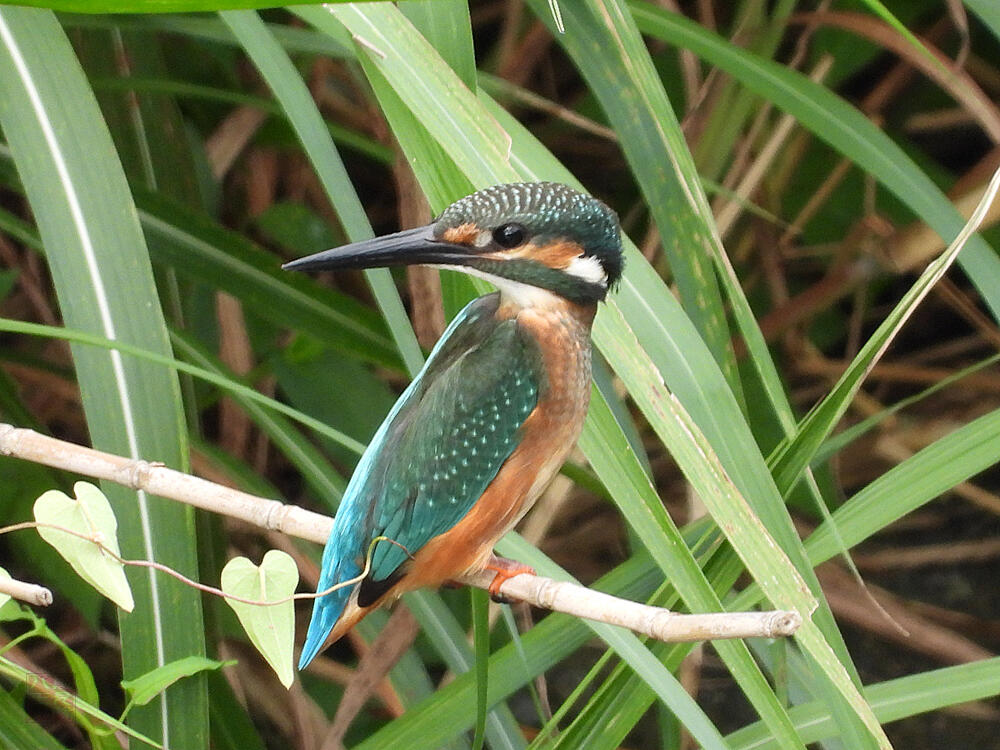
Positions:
(557, 596)
(31, 593)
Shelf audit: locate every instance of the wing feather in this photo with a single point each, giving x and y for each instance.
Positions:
(441, 445)
(450, 441)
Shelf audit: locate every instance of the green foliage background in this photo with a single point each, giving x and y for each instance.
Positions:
(114, 173)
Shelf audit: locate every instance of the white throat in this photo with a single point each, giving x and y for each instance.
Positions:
(513, 292)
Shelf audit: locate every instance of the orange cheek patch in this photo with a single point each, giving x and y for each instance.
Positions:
(463, 234)
(555, 255)
(558, 254)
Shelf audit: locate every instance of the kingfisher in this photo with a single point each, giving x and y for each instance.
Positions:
(496, 409)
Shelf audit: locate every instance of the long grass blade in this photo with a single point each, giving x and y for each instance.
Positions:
(103, 278)
(627, 84)
(927, 474)
(481, 638)
(989, 12)
(169, 363)
(290, 90)
(792, 457)
(892, 700)
(843, 127)
(451, 709)
(770, 709)
(470, 137)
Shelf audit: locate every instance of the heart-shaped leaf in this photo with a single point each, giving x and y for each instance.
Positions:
(271, 627)
(145, 687)
(88, 514)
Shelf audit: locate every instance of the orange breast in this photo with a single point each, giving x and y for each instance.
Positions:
(548, 435)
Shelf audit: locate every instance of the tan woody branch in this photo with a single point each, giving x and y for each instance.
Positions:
(546, 593)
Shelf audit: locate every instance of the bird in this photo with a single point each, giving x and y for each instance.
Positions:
(496, 409)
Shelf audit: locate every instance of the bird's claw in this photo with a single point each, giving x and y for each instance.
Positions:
(505, 569)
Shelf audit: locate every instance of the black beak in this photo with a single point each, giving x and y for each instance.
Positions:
(405, 248)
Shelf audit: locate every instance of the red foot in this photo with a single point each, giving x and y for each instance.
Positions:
(505, 569)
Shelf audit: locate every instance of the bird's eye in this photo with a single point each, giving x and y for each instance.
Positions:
(510, 235)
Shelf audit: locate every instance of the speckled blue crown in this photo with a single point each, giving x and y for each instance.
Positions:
(548, 210)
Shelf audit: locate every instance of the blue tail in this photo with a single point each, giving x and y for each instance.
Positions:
(327, 609)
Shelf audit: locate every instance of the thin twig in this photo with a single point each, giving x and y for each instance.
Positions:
(31, 590)
(539, 591)
(31, 593)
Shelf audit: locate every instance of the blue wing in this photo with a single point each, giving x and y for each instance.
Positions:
(441, 445)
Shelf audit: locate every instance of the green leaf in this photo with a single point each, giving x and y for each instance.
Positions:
(100, 268)
(844, 127)
(446, 24)
(615, 463)
(18, 729)
(152, 6)
(989, 12)
(793, 456)
(144, 688)
(89, 514)
(481, 627)
(469, 134)
(296, 100)
(907, 486)
(50, 692)
(630, 91)
(271, 628)
(892, 700)
(34, 329)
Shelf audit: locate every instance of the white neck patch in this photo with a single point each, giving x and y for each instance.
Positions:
(588, 268)
(515, 292)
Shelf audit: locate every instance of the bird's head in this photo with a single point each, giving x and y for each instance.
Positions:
(528, 239)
